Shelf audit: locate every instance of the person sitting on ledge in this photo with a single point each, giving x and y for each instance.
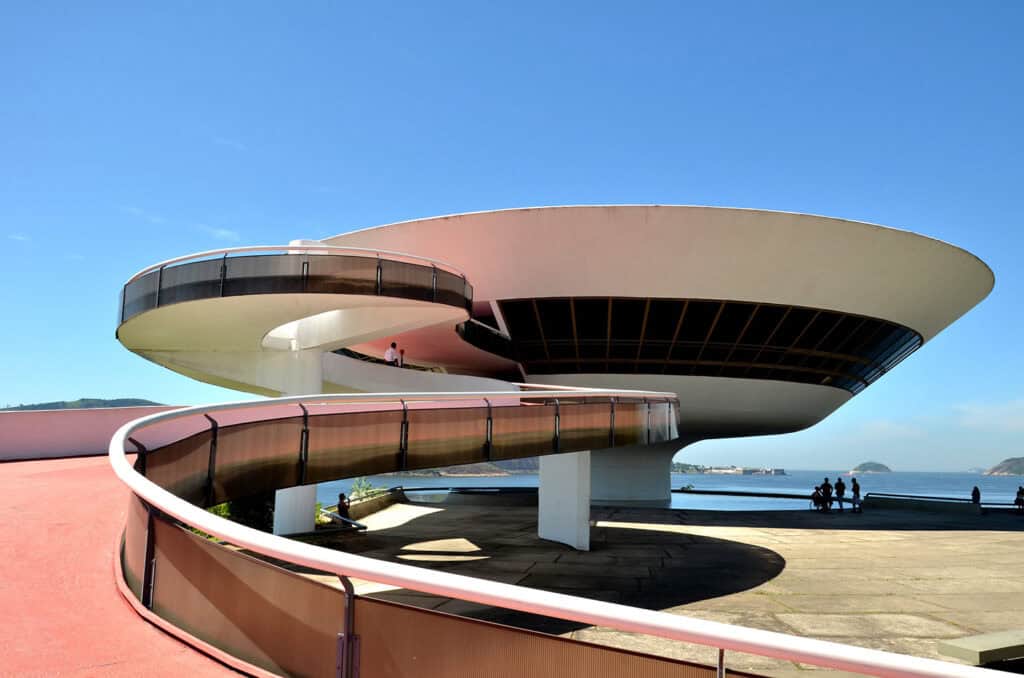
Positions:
(855, 498)
(1019, 500)
(976, 495)
(391, 355)
(817, 499)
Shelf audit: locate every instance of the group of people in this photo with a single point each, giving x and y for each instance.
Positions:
(826, 493)
(394, 356)
(1018, 501)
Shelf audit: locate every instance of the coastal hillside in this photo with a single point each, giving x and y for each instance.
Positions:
(1014, 466)
(82, 404)
(871, 467)
(507, 467)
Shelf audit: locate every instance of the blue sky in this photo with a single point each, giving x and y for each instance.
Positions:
(131, 134)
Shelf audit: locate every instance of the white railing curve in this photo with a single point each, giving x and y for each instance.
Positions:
(572, 608)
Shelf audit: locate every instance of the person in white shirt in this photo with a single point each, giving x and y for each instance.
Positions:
(391, 355)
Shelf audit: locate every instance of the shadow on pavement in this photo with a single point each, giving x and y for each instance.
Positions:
(655, 568)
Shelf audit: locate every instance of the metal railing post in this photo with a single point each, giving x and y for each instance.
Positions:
(304, 445)
(489, 440)
(149, 564)
(403, 439)
(223, 273)
(611, 430)
(648, 404)
(211, 467)
(721, 663)
(380, 278)
(557, 443)
(159, 284)
(348, 642)
(141, 451)
(305, 274)
(433, 284)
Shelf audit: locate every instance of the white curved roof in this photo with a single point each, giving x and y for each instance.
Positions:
(699, 252)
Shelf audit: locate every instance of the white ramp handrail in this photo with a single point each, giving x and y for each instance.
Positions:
(560, 606)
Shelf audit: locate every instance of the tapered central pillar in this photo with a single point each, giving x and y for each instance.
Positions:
(563, 508)
(295, 507)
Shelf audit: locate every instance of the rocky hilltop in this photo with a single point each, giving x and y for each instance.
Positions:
(1014, 466)
(82, 404)
(871, 467)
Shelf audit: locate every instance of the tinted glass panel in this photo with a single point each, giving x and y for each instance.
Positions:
(185, 282)
(627, 318)
(734, 339)
(520, 319)
(556, 317)
(276, 274)
(697, 321)
(662, 319)
(764, 322)
(731, 322)
(452, 290)
(140, 295)
(342, 275)
(591, 318)
(409, 281)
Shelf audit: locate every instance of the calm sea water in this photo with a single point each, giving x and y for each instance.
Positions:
(993, 488)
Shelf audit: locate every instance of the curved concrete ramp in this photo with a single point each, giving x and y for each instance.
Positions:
(265, 320)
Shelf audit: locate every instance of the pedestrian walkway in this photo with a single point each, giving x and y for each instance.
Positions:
(62, 613)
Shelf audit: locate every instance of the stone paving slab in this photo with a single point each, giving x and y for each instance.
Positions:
(979, 602)
(859, 604)
(868, 625)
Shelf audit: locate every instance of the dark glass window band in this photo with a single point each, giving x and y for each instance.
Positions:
(293, 273)
(700, 337)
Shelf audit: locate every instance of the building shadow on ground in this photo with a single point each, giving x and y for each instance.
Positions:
(650, 566)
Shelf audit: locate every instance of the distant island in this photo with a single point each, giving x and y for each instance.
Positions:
(680, 467)
(486, 469)
(871, 467)
(81, 404)
(1014, 466)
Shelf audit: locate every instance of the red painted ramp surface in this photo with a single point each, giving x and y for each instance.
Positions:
(60, 609)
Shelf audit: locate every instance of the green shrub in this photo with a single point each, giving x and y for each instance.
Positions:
(320, 518)
(360, 488)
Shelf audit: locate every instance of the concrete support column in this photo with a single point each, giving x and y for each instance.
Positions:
(302, 373)
(295, 507)
(563, 509)
(295, 510)
(638, 475)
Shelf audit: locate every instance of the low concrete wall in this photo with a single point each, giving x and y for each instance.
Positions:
(47, 434)
(929, 505)
(378, 502)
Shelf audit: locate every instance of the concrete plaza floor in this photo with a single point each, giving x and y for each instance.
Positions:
(891, 580)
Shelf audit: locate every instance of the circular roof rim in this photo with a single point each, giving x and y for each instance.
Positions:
(724, 208)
